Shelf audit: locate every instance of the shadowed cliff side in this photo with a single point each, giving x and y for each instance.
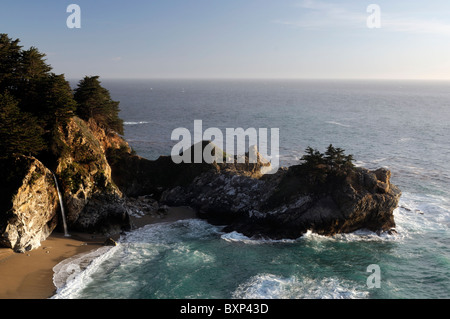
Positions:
(318, 197)
(137, 176)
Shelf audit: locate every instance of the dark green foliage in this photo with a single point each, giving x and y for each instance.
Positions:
(43, 100)
(32, 65)
(20, 133)
(325, 167)
(318, 173)
(336, 160)
(71, 179)
(333, 159)
(30, 91)
(52, 99)
(10, 54)
(94, 101)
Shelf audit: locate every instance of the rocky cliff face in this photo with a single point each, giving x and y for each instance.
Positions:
(137, 176)
(90, 195)
(29, 205)
(279, 206)
(93, 203)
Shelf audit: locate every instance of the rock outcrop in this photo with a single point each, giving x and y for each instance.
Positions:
(282, 206)
(92, 200)
(29, 203)
(137, 176)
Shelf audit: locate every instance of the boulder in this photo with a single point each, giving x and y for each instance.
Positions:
(283, 205)
(28, 205)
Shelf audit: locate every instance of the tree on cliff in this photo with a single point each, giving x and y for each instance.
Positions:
(31, 92)
(336, 159)
(27, 77)
(322, 167)
(94, 101)
(19, 131)
(10, 53)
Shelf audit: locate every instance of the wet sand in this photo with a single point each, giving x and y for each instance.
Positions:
(30, 275)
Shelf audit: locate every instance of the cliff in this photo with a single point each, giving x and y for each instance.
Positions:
(98, 174)
(92, 200)
(286, 205)
(137, 176)
(28, 204)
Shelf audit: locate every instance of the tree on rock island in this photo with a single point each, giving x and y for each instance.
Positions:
(94, 101)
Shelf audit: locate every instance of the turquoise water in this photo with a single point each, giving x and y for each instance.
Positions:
(399, 125)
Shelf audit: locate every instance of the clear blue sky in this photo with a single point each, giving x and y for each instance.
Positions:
(236, 38)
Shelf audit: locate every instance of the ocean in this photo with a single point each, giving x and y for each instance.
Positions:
(401, 125)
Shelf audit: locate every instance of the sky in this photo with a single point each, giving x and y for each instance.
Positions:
(306, 39)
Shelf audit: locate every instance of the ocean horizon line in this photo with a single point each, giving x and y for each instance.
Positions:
(265, 79)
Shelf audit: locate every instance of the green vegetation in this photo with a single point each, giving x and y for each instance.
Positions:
(20, 132)
(35, 103)
(95, 102)
(318, 173)
(320, 167)
(71, 178)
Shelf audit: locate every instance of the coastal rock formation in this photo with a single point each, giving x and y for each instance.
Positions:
(98, 174)
(29, 203)
(93, 203)
(92, 200)
(283, 205)
(136, 176)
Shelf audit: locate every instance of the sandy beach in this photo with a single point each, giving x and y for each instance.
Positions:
(30, 275)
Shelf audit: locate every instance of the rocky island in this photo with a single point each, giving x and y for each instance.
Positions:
(75, 145)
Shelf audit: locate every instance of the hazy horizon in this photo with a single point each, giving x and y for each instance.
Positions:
(252, 39)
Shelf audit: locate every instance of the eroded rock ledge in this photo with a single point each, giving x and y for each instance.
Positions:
(280, 206)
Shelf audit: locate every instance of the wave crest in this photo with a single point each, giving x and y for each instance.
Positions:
(269, 286)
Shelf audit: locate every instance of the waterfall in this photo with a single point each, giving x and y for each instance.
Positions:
(66, 233)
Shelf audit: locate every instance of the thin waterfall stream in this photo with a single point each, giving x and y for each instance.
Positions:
(66, 233)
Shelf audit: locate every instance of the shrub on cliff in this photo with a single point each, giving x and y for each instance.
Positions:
(318, 173)
(327, 168)
(94, 101)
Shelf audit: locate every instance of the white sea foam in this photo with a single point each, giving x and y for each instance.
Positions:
(73, 274)
(269, 286)
(70, 268)
(337, 123)
(172, 232)
(359, 235)
(238, 237)
(422, 213)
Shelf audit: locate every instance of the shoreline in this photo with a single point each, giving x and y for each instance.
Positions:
(30, 275)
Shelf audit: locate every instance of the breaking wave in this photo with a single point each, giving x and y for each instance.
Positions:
(269, 286)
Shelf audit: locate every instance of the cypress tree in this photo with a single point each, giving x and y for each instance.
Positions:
(10, 52)
(20, 132)
(94, 101)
